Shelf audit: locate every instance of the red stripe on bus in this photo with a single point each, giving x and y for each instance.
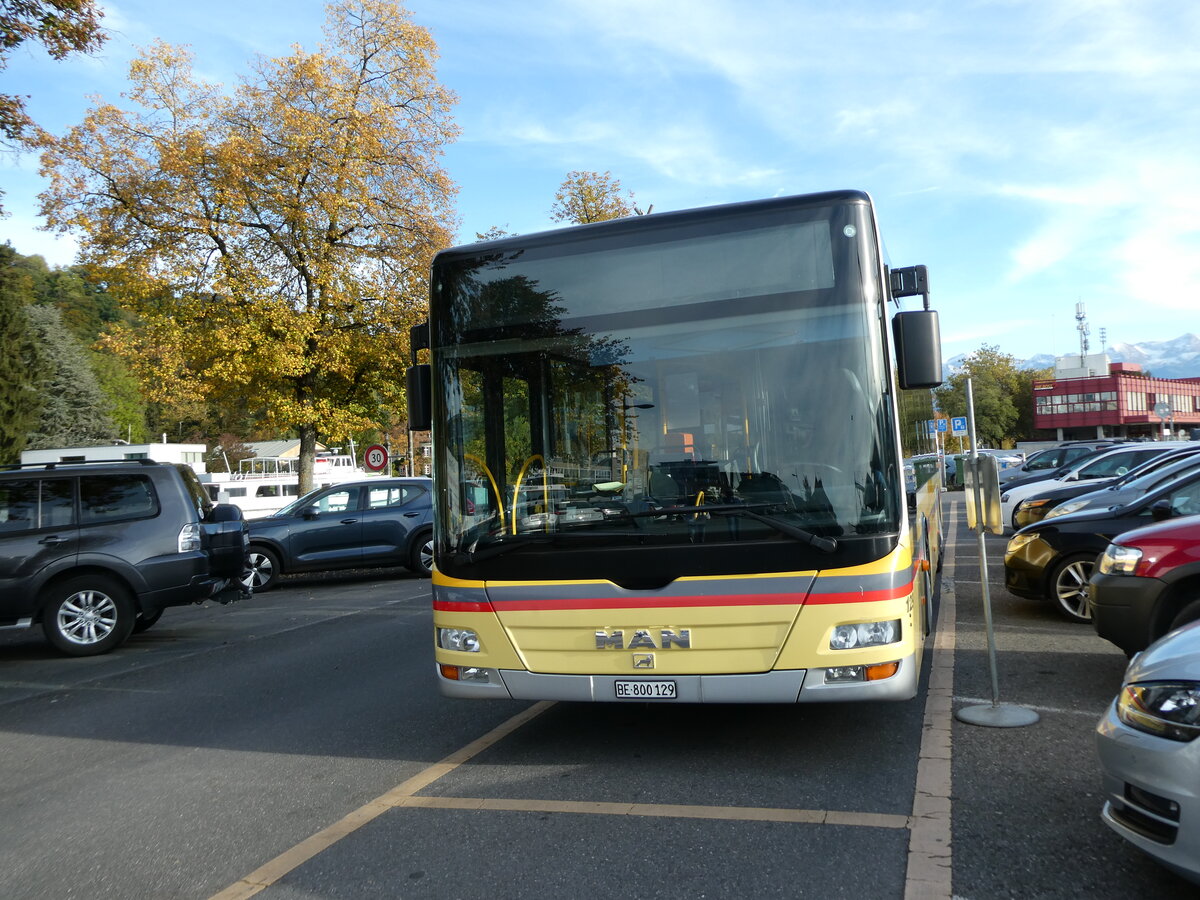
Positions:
(460, 606)
(862, 596)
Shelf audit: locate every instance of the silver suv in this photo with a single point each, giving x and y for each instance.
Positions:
(96, 551)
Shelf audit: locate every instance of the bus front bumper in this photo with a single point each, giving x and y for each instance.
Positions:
(784, 686)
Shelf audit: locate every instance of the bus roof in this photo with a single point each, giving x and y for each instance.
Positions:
(572, 233)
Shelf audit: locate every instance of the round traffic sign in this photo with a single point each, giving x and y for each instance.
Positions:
(375, 458)
(1162, 409)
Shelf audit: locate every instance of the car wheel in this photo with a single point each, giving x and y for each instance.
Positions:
(263, 572)
(1068, 590)
(421, 556)
(1190, 613)
(145, 620)
(88, 615)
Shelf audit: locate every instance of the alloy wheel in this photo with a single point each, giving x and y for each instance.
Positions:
(260, 572)
(1071, 589)
(87, 617)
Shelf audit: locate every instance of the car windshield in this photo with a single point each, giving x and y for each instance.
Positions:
(1162, 475)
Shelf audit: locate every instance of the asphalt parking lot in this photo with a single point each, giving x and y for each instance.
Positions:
(295, 747)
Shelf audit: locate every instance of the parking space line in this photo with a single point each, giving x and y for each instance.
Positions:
(266, 875)
(664, 810)
(929, 868)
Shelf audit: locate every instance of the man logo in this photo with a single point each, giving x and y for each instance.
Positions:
(643, 639)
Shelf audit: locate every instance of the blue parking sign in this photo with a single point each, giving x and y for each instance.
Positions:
(943, 425)
(958, 426)
(931, 426)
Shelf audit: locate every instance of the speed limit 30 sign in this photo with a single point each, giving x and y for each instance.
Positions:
(375, 458)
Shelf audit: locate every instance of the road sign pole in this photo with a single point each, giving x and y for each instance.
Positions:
(996, 715)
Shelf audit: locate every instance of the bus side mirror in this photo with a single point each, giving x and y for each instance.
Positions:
(918, 340)
(420, 415)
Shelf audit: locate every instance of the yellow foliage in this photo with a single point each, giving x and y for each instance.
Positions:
(274, 242)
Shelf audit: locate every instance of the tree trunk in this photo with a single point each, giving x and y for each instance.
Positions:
(308, 454)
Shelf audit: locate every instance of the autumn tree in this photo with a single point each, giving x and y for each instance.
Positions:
(62, 27)
(585, 197)
(274, 243)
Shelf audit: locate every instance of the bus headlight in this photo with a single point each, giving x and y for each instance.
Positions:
(865, 634)
(459, 639)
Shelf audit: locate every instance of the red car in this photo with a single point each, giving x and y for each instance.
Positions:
(1147, 583)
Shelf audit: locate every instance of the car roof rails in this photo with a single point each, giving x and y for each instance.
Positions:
(54, 464)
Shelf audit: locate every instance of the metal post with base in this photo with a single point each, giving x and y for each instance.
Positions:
(983, 493)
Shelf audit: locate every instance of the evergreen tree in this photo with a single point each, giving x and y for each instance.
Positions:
(75, 413)
(20, 363)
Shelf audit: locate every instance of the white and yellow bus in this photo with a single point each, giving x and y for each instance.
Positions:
(666, 459)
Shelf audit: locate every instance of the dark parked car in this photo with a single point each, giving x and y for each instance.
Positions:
(1147, 583)
(1098, 469)
(1145, 477)
(96, 551)
(1054, 558)
(1043, 462)
(1021, 479)
(359, 524)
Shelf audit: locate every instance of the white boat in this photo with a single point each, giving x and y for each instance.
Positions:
(264, 484)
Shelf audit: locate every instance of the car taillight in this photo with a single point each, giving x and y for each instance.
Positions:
(189, 538)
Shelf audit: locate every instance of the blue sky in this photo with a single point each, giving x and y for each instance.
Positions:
(1032, 154)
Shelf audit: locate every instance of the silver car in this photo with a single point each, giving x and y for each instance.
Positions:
(1150, 753)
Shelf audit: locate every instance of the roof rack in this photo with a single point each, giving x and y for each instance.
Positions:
(142, 461)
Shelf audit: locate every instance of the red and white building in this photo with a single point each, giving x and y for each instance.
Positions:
(1101, 399)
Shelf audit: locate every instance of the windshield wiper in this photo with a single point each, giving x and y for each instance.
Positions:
(824, 544)
(747, 511)
(499, 548)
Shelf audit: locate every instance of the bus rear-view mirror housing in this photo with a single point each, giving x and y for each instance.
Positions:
(918, 342)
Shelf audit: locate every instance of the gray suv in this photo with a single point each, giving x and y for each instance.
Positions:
(96, 551)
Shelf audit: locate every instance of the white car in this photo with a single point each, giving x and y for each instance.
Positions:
(1095, 469)
(1150, 753)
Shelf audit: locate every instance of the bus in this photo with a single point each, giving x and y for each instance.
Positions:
(666, 459)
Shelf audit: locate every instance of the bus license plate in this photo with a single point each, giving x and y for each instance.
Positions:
(645, 690)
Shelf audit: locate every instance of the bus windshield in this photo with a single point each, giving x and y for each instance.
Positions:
(708, 396)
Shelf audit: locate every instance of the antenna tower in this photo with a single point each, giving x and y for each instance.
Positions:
(1081, 319)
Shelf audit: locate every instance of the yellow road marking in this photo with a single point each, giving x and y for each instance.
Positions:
(663, 810)
(266, 875)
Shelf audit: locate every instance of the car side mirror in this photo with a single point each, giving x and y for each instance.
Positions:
(1161, 510)
(310, 512)
(226, 512)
